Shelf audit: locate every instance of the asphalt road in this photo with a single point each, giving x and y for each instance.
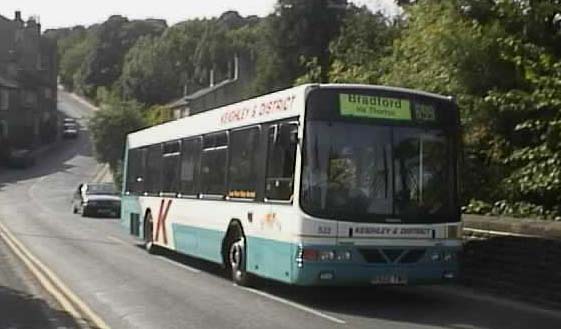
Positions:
(23, 303)
(128, 288)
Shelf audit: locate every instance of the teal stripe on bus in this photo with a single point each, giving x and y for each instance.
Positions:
(267, 258)
(198, 242)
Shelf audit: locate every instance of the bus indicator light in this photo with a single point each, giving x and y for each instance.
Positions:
(310, 254)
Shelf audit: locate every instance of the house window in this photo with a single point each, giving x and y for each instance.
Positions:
(48, 93)
(3, 129)
(4, 99)
(29, 98)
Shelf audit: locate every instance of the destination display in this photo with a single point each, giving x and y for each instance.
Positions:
(375, 107)
(387, 108)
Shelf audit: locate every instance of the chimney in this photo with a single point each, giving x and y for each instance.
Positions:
(17, 16)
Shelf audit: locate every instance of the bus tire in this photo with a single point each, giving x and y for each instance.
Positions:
(237, 257)
(148, 235)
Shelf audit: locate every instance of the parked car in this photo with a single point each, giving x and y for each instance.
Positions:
(69, 130)
(21, 158)
(96, 199)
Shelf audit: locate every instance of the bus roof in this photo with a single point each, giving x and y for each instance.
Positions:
(386, 88)
(279, 105)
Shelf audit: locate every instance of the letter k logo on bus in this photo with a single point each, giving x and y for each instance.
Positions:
(161, 223)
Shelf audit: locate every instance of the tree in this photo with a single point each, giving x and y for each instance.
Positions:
(109, 127)
(365, 39)
(148, 75)
(298, 32)
(182, 57)
(103, 65)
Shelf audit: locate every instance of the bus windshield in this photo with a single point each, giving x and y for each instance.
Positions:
(375, 173)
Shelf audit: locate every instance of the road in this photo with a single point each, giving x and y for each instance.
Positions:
(129, 288)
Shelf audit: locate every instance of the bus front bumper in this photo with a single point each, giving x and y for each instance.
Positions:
(362, 273)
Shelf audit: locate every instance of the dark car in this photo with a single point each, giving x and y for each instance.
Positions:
(96, 199)
(21, 158)
(70, 130)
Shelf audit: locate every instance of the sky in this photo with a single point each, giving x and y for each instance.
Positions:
(63, 13)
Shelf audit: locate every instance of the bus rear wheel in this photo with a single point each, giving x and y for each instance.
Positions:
(237, 261)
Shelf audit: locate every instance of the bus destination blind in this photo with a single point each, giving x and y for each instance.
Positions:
(374, 107)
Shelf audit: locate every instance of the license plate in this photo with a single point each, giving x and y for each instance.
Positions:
(389, 279)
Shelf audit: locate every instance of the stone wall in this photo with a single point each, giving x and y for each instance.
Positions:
(518, 258)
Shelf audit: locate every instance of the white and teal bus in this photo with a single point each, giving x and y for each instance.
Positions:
(314, 185)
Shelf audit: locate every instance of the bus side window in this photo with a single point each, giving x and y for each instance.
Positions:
(153, 169)
(213, 164)
(281, 158)
(171, 166)
(135, 171)
(190, 160)
(242, 172)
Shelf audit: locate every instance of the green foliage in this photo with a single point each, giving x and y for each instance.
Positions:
(109, 127)
(93, 57)
(158, 114)
(146, 69)
(183, 57)
(533, 112)
(300, 31)
(357, 52)
(73, 49)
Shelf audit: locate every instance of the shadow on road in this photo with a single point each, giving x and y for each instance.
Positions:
(20, 310)
(416, 305)
(56, 160)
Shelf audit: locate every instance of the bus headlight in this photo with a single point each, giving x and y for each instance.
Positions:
(448, 256)
(326, 255)
(344, 255)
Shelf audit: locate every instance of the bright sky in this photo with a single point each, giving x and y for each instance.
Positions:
(62, 13)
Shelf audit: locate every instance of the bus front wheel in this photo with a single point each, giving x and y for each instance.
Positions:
(237, 261)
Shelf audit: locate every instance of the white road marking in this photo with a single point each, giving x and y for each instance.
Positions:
(119, 241)
(295, 305)
(183, 266)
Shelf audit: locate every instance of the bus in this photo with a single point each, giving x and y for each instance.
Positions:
(320, 184)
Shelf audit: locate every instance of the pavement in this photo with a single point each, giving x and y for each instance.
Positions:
(109, 271)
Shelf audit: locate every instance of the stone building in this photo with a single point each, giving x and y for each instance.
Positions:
(233, 89)
(28, 85)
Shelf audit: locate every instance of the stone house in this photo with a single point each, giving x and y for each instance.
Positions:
(28, 85)
(233, 89)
